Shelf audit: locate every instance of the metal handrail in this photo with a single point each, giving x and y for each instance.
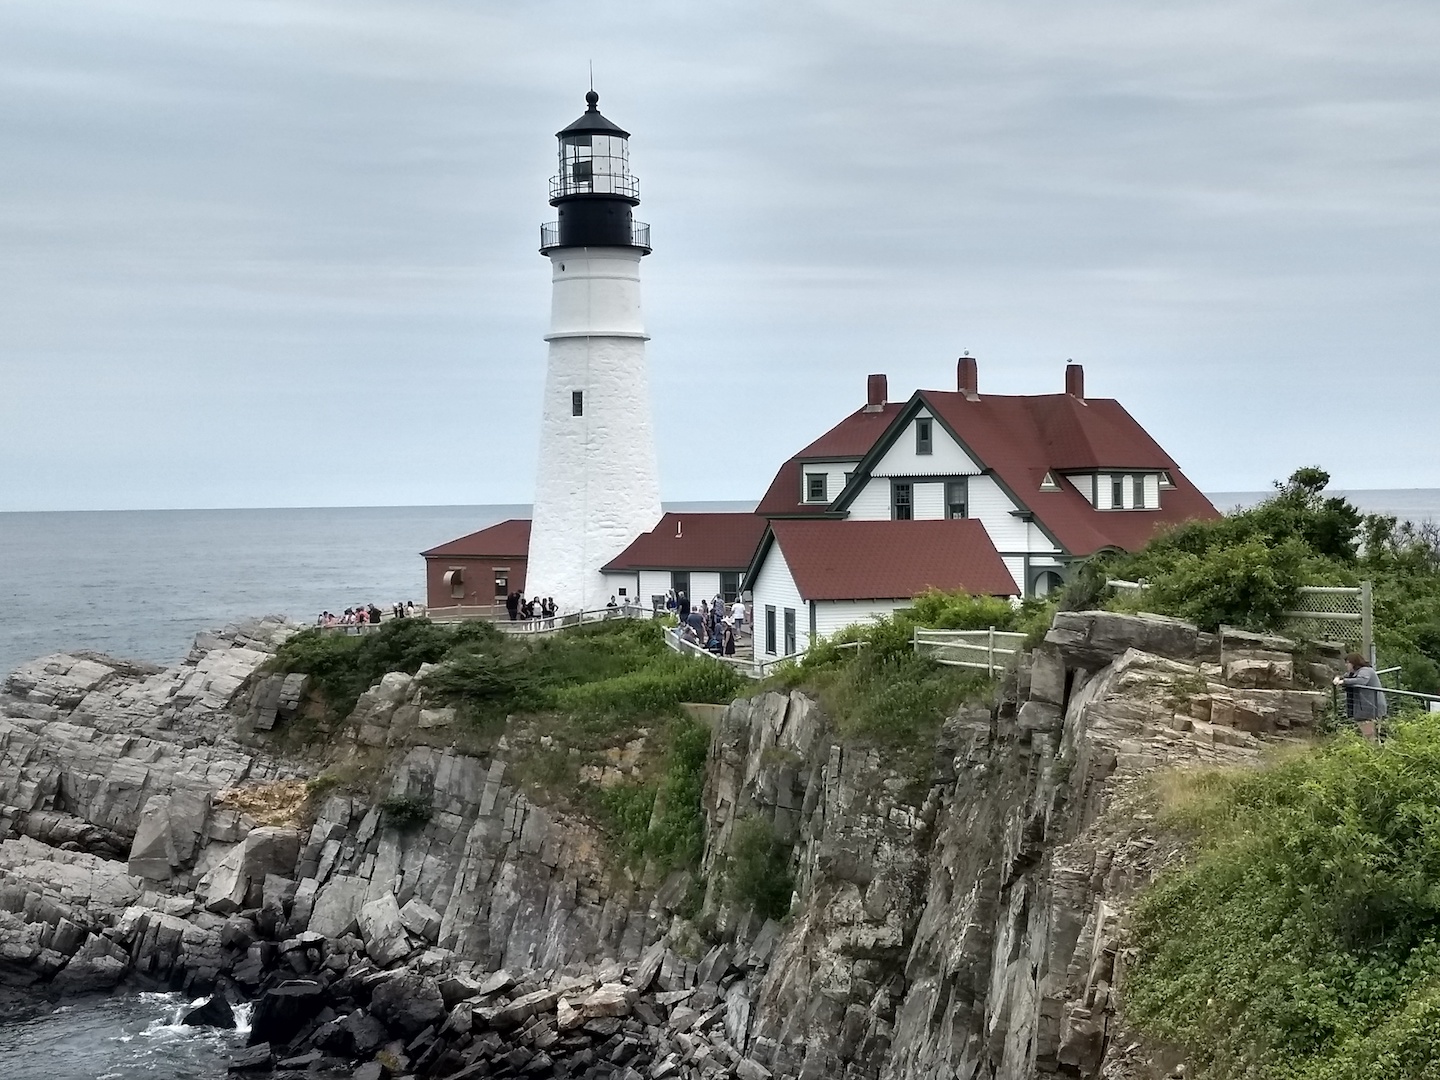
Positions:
(550, 235)
(619, 184)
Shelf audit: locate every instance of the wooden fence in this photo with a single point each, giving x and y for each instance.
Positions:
(983, 650)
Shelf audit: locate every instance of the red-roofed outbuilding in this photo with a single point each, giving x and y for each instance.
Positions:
(479, 569)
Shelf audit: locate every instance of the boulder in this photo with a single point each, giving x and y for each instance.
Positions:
(255, 1058)
(214, 1012)
(282, 1011)
(408, 1004)
(421, 919)
(336, 905)
(382, 931)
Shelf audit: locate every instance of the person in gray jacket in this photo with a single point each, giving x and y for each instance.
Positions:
(1364, 698)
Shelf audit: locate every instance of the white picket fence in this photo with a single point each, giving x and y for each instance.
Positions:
(983, 650)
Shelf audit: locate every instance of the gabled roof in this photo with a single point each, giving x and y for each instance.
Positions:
(849, 439)
(1021, 437)
(886, 560)
(507, 540)
(703, 541)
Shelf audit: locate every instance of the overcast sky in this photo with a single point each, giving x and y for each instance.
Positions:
(283, 253)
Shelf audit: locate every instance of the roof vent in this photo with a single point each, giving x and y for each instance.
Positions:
(876, 389)
(679, 529)
(1075, 380)
(967, 378)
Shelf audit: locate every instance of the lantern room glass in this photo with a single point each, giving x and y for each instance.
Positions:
(594, 165)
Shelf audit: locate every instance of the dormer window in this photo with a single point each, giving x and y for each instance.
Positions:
(924, 443)
(1117, 491)
(815, 487)
(1165, 481)
(1049, 483)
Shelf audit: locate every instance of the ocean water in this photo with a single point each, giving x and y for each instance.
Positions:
(141, 583)
(126, 1036)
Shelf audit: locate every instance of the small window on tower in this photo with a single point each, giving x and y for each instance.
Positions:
(577, 403)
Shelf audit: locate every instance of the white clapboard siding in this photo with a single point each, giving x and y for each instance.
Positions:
(945, 459)
(1152, 491)
(929, 501)
(995, 510)
(873, 502)
(834, 615)
(774, 586)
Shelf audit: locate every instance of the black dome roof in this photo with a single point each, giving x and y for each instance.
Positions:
(592, 123)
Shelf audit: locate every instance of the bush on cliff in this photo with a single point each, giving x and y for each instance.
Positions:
(1246, 570)
(343, 666)
(869, 678)
(1303, 941)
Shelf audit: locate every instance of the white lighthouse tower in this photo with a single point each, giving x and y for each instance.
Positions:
(598, 486)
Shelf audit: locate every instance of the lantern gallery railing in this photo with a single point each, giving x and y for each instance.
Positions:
(550, 235)
(596, 184)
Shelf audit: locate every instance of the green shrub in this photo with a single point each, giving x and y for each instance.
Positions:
(757, 873)
(1303, 942)
(406, 812)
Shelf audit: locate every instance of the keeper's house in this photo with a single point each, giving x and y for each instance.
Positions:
(996, 495)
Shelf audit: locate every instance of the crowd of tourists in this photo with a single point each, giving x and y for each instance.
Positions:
(714, 625)
(537, 607)
(369, 614)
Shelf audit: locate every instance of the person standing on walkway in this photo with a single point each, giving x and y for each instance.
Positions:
(737, 615)
(1364, 697)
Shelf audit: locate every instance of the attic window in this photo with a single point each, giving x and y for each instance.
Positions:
(815, 487)
(1165, 481)
(1049, 483)
(923, 441)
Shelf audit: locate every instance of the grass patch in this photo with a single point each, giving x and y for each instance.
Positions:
(1303, 941)
(879, 691)
(662, 820)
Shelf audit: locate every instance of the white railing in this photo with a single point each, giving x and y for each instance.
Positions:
(983, 650)
(541, 625)
(745, 665)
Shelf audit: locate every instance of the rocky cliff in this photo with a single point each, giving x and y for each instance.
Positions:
(959, 918)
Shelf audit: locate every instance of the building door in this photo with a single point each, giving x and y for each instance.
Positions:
(770, 629)
(680, 582)
(789, 631)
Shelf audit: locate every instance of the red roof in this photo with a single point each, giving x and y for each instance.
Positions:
(851, 438)
(508, 540)
(718, 541)
(1022, 438)
(889, 560)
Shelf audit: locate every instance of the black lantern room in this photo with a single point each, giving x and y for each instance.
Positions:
(594, 192)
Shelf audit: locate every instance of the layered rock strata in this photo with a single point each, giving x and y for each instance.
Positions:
(959, 915)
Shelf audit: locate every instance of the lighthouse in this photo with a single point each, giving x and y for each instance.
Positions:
(598, 486)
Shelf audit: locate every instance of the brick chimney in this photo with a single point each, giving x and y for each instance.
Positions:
(875, 390)
(967, 378)
(1075, 381)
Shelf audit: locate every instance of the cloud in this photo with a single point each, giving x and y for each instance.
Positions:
(300, 228)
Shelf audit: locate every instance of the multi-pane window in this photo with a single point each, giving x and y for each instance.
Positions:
(729, 585)
(770, 629)
(789, 631)
(815, 487)
(1117, 491)
(955, 498)
(903, 498)
(924, 444)
(577, 403)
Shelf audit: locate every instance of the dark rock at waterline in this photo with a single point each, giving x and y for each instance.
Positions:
(408, 1004)
(256, 1058)
(281, 1012)
(214, 1012)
